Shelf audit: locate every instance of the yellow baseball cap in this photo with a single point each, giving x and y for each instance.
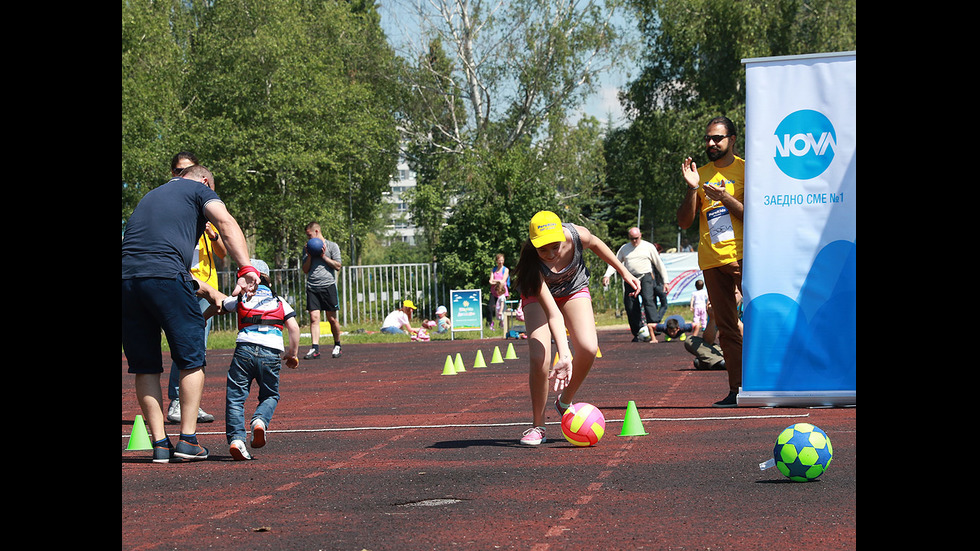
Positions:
(545, 228)
(409, 304)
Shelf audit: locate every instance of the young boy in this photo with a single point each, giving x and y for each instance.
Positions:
(258, 352)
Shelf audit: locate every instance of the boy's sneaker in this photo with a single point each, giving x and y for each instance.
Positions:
(185, 451)
(533, 436)
(258, 433)
(336, 351)
(163, 454)
(238, 451)
(312, 354)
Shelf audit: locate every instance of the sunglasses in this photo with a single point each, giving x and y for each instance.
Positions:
(715, 138)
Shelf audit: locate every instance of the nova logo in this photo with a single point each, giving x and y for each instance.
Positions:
(805, 144)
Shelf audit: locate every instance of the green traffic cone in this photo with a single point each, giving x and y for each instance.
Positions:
(510, 352)
(449, 369)
(139, 439)
(632, 426)
(496, 359)
(459, 363)
(480, 362)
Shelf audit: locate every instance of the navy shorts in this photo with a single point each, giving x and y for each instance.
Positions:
(150, 305)
(322, 298)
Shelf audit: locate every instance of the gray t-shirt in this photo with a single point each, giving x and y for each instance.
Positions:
(322, 274)
(573, 277)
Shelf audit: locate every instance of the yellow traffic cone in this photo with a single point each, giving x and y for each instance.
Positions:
(479, 359)
(496, 359)
(598, 353)
(449, 369)
(459, 364)
(554, 362)
(139, 439)
(632, 426)
(510, 352)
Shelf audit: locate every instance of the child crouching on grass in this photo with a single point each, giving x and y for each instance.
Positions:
(258, 352)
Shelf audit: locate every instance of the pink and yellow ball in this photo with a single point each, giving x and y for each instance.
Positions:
(583, 424)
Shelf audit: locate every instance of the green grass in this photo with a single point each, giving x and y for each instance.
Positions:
(355, 334)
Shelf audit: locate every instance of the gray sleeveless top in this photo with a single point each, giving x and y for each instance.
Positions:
(573, 277)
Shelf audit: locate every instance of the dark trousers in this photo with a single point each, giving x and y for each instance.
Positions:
(650, 292)
(721, 283)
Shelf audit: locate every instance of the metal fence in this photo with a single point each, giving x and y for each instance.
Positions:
(367, 293)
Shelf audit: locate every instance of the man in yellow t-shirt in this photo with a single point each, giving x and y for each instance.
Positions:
(208, 247)
(715, 196)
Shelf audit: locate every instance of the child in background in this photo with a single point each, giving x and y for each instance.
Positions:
(443, 321)
(554, 285)
(499, 280)
(423, 333)
(258, 352)
(699, 305)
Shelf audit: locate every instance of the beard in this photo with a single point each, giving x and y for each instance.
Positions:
(715, 153)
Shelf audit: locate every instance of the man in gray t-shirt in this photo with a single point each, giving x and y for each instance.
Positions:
(321, 289)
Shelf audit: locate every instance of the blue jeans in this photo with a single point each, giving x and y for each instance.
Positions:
(251, 362)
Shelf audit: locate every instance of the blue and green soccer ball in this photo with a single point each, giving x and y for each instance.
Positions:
(803, 452)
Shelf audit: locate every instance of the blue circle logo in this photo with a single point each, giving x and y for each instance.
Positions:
(805, 144)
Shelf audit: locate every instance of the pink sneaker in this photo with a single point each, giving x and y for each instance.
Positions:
(533, 436)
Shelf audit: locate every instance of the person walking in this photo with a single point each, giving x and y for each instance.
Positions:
(642, 260)
(258, 353)
(159, 294)
(203, 267)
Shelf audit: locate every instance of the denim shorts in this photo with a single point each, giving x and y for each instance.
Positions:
(150, 305)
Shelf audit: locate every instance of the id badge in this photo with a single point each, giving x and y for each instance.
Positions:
(720, 225)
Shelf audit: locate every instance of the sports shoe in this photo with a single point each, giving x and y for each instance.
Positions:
(185, 451)
(163, 454)
(238, 451)
(729, 401)
(559, 407)
(533, 436)
(173, 413)
(258, 433)
(312, 354)
(336, 351)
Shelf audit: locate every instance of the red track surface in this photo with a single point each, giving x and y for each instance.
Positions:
(378, 450)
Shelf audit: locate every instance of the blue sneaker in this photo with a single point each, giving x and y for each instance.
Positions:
(185, 451)
(163, 454)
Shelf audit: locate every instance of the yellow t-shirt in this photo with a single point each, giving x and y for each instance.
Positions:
(204, 268)
(721, 233)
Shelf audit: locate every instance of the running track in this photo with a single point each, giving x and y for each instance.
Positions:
(378, 450)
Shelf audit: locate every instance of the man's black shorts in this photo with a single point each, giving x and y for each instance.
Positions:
(322, 298)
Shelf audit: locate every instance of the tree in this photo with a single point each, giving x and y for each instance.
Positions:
(692, 71)
(518, 67)
(155, 38)
(288, 100)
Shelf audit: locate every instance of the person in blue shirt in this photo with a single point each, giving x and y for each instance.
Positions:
(160, 294)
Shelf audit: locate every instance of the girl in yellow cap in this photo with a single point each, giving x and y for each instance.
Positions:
(554, 284)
